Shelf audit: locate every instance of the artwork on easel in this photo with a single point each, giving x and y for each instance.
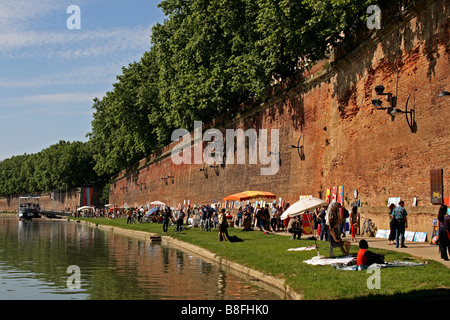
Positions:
(328, 195)
(393, 200)
(409, 235)
(384, 234)
(420, 237)
(434, 229)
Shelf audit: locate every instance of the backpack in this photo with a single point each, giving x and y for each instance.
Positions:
(346, 213)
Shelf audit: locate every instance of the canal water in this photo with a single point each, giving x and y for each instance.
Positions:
(55, 260)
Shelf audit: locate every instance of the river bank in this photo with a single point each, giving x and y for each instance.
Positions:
(266, 257)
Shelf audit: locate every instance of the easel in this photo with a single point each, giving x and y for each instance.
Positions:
(434, 230)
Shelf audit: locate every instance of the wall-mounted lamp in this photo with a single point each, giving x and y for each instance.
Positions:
(216, 168)
(300, 149)
(443, 94)
(204, 170)
(379, 90)
(279, 158)
(141, 184)
(167, 177)
(410, 115)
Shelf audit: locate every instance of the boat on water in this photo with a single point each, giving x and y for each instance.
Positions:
(29, 207)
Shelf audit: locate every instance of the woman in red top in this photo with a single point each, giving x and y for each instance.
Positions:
(361, 258)
(366, 257)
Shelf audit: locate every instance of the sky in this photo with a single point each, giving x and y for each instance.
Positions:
(54, 61)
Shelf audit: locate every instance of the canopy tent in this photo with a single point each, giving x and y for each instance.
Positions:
(303, 205)
(158, 203)
(86, 208)
(247, 195)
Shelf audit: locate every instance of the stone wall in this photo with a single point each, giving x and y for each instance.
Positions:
(346, 141)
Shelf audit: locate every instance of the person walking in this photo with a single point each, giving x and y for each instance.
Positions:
(401, 223)
(444, 232)
(391, 237)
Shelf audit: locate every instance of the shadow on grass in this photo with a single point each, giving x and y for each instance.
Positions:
(435, 294)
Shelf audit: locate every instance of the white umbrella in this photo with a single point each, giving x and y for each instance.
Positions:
(158, 203)
(86, 208)
(303, 205)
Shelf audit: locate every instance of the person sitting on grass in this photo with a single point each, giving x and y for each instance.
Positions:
(295, 228)
(365, 257)
(334, 238)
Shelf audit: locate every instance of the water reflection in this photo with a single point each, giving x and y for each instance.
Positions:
(35, 256)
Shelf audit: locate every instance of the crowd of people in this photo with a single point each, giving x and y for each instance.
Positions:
(328, 222)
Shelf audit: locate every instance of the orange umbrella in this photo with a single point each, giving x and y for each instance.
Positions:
(247, 195)
(260, 194)
(237, 197)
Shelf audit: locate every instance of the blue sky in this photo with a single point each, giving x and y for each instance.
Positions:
(49, 74)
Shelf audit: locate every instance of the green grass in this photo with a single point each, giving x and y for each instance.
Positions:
(268, 253)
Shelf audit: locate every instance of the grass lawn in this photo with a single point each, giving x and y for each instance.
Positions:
(268, 253)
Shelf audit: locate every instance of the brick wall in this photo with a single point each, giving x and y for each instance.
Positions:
(59, 201)
(346, 141)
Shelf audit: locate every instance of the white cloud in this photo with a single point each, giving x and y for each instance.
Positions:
(20, 14)
(74, 44)
(56, 98)
(83, 75)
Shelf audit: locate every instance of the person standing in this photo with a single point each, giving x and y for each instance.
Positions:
(202, 213)
(401, 223)
(323, 224)
(286, 221)
(221, 219)
(247, 223)
(274, 217)
(316, 223)
(354, 222)
(129, 215)
(239, 217)
(166, 219)
(180, 218)
(391, 225)
(279, 221)
(444, 230)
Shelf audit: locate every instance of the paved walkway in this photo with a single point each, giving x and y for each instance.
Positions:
(422, 250)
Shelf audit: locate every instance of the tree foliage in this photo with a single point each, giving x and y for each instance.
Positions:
(207, 57)
(62, 165)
